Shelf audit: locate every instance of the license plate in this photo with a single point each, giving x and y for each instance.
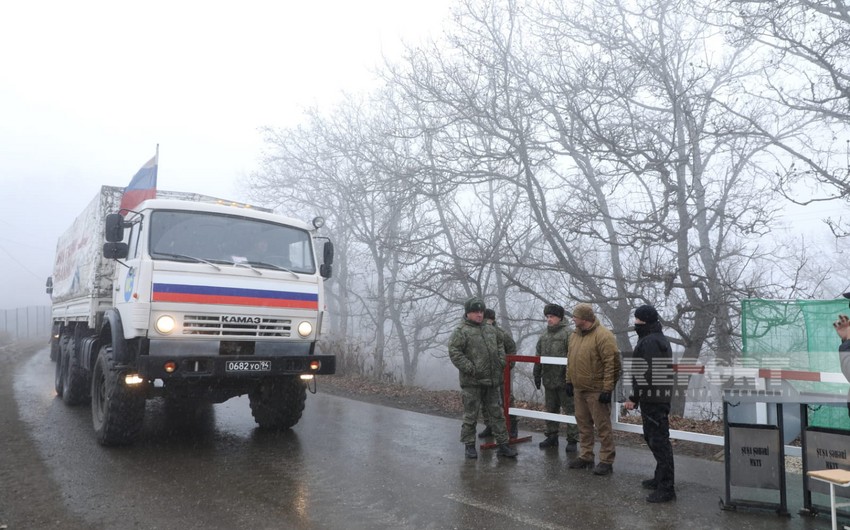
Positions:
(248, 366)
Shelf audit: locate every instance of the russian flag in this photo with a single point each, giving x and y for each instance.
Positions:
(142, 187)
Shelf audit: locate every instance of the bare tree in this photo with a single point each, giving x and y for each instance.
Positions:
(300, 174)
(612, 123)
(547, 152)
(808, 77)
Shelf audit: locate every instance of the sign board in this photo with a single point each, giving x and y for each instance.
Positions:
(754, 454)
(827, 450)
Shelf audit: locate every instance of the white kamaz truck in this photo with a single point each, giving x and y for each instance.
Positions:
(191, 299)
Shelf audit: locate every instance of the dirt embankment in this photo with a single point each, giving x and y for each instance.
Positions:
(28, 496)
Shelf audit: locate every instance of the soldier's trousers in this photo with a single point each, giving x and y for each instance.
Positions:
(558, 402)
(501, 404)
(482, 398)
(591, 413)
(656, 432)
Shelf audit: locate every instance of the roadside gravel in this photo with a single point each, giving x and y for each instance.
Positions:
(28, 496)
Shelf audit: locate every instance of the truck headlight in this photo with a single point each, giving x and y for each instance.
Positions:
(305, 328)
(165, 324)
(133, 379)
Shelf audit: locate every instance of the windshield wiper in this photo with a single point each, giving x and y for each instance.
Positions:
(190, 258)
(252, 263)
(243, 263)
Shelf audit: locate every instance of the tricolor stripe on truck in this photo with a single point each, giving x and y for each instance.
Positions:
(186, 289)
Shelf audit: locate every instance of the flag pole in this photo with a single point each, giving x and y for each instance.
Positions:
(157, 168)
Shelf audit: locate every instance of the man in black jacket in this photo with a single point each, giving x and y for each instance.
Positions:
(652, 370)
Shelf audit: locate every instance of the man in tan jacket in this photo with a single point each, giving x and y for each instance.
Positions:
(593, 368)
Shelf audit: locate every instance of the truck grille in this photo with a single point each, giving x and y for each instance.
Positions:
(212, 325)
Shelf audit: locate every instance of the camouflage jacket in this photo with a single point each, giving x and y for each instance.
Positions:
(510, 344)
(478, 353)
(553, 343)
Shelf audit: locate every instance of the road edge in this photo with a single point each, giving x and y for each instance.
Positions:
(30, 497)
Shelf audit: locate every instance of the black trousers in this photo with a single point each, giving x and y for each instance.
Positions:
(656, 432)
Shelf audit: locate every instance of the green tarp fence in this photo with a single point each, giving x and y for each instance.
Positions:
(798, 335)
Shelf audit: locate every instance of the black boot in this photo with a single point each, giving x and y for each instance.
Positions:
(580, 463)
(661, 496)
(486, 433)
(603, 469)
(514, 429)
(471, 452)
(649, 484)
(550, 441)
(506, 450)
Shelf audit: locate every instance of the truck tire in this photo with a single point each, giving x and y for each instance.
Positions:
(58, 379)
(117, 410)
(75, 388)
(277, 404)
(54, 349)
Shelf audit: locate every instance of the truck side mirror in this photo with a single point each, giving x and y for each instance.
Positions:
(328, 253)
(114, 229)
(115, 250)
(326, 270)
(49, 285)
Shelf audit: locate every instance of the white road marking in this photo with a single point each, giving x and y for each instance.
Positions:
(522, 519)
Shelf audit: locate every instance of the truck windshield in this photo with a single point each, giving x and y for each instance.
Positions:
(214, 238)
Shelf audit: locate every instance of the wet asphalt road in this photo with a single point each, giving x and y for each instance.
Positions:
(348, 465)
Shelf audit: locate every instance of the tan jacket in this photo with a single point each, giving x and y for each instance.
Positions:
(594, 359)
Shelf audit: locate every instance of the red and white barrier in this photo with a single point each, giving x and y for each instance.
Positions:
(717, 373)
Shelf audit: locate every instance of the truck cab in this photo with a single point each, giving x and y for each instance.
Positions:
(207, 301)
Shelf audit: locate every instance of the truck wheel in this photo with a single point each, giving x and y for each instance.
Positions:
(54, 349)
(75, 389)
(277, 404)
(117, 410)
(58, 380)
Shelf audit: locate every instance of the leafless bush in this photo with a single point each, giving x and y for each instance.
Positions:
(705, 411)
(350, 358)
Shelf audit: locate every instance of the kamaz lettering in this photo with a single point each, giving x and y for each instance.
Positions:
(241, 320)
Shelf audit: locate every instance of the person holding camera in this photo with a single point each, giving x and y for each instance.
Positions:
(842, 327)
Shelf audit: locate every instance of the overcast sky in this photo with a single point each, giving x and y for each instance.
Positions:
(88, 89)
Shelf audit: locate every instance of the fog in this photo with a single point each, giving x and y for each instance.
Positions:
(88, 90)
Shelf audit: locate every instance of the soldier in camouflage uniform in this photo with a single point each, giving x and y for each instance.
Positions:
(510, 349)
(554, 343)
(479, 355)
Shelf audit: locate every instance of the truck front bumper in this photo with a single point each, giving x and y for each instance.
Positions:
(233, 367)
(231, 360)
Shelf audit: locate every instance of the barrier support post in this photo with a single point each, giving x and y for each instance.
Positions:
(506, 404)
